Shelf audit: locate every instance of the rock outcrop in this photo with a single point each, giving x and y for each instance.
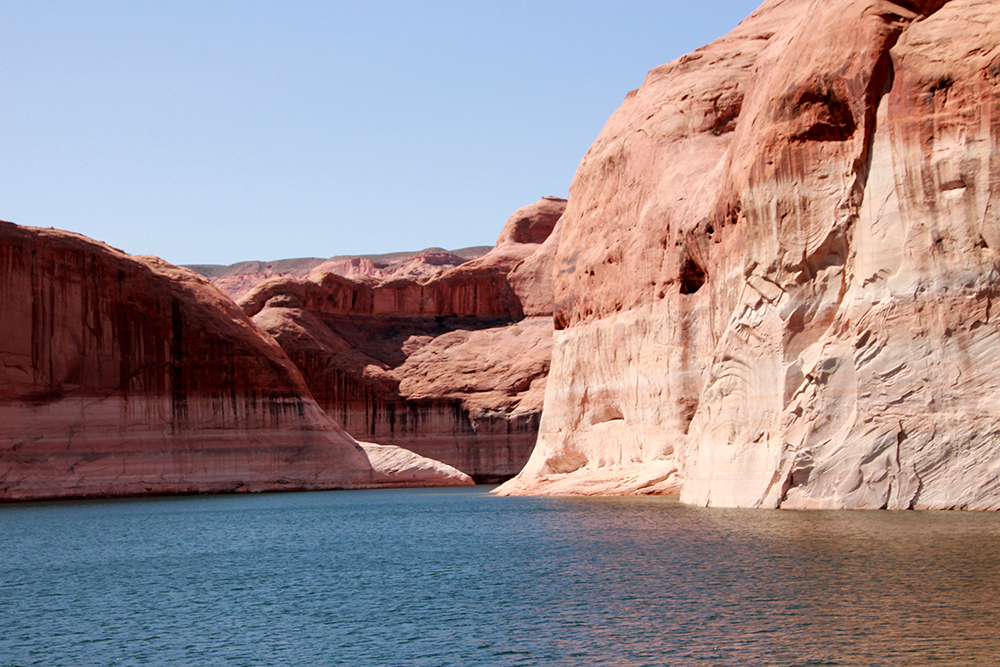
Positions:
(238, 280)
(125, 375)
(425, 266)
(777, 278)
(449, 367)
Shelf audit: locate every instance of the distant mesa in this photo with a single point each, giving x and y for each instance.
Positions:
(236, 280)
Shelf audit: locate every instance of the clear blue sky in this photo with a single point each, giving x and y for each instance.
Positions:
(212, 132)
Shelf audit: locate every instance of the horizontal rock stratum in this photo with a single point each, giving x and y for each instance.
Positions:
(126, 375)
(452, 367)
(778, 275)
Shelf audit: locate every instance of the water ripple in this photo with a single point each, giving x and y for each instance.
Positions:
(458, 577)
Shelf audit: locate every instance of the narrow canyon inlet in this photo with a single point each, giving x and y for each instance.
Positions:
(774, 285)
(461, 577)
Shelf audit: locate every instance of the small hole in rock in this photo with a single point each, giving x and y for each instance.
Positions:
(692, 277)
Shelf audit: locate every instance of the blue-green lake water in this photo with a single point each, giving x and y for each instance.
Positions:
(459, 577)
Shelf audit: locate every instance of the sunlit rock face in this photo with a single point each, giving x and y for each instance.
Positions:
(777, 279)
(125, 375)
(452, 368)
(238, 280)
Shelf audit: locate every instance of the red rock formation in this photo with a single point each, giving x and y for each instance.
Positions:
(427, 265)
(480, 292)
(532, 224)
(776, 272)
(355, 266)
(238, 285)
(524, 254)
(125, 375)
(531, 280)
(448, 368)
(237, 280)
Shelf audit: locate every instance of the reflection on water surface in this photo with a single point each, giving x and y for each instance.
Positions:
(458, 577)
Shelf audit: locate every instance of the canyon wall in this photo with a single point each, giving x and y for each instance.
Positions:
(237, 280)
(452, 367)
(125, 375)
(776, 276)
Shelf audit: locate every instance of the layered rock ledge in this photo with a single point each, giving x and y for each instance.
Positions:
(452, 367)
(125, 376)
(777, 279)
(237, 280)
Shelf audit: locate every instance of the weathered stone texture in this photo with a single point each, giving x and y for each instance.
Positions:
(777, 274)
(125, 375)
(450, 368)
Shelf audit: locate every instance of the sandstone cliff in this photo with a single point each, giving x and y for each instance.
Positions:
(448, 367)
(125, 375)
(237, 280)
(777, 275)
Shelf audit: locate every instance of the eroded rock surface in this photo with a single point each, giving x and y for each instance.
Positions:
(449, 367)
(237, 280)
(125, 375)
(777, 278)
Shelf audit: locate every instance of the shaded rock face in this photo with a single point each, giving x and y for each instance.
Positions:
(450, 368)
(479, 292)
(532, 224)
(777, 276)
(129, 376)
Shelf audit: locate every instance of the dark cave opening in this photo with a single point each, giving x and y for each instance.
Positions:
(692, 277)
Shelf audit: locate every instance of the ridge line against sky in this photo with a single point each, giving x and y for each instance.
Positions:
(217, 132)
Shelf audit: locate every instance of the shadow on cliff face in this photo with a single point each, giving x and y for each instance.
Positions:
(392, 340)
(123, 376)
(452, 368)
